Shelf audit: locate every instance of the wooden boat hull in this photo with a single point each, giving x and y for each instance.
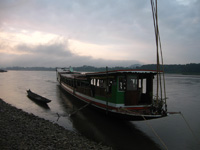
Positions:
(111, 112)
(135, 117)
(37, 98)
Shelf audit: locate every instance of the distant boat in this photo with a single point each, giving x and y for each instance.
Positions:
(126, 94)
(37, 97)
(1, 70)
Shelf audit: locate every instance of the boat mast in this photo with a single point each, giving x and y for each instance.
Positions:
(159, 53)
(158, 62)
(107, 90)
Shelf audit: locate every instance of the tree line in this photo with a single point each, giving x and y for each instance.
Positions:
(191, 68)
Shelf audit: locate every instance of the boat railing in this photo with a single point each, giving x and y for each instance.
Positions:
(84, 90)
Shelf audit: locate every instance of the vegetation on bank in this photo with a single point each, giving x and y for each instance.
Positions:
(192, 68)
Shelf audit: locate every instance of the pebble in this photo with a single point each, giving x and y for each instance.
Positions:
(23, 131)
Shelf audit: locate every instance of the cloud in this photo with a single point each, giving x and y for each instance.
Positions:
(52, 50)
(112, 30)
(54, 55)
(89, 21)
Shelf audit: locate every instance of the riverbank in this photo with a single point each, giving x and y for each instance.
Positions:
(20, 130)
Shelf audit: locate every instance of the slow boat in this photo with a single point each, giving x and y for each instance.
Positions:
(126, 94)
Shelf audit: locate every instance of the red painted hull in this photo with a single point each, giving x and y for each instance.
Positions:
(113, 111)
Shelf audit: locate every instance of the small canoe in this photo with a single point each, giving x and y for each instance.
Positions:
(37, 97)
(1, 70)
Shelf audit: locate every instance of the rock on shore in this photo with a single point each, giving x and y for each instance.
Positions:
(20, 130)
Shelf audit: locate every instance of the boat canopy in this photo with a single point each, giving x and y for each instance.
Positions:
(133, 71)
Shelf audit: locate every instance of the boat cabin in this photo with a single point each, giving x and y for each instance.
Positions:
(119, 88)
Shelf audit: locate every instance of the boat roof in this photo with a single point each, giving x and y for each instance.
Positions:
(70, 75)
(133, 71)
(84, 76)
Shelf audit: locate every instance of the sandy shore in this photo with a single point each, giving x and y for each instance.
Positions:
(20, 130)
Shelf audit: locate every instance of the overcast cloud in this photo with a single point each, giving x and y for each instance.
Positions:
(96, 32)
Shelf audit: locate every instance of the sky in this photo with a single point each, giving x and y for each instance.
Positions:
(61, 33)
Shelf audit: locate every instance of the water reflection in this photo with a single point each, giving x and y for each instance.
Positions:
(43, 105)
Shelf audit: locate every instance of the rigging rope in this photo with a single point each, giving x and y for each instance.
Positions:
(154, 13)
(158, 46)
(150, 126)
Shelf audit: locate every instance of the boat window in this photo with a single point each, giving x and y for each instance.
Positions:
(132, 83)
(110, 86)
(92, 82)
(101, 83)
(140, 83)
(122, 84)
(144, 86)
(78, 83)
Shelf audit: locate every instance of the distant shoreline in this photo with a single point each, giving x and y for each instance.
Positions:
(186, 69)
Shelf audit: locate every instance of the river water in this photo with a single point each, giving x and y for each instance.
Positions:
(183, 92)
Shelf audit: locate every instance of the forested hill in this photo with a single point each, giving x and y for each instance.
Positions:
(183, 69)
(180, 69)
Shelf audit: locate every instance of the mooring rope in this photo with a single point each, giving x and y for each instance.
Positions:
(150, 126)
(188, 125)
(197, 139)
(80, 109)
